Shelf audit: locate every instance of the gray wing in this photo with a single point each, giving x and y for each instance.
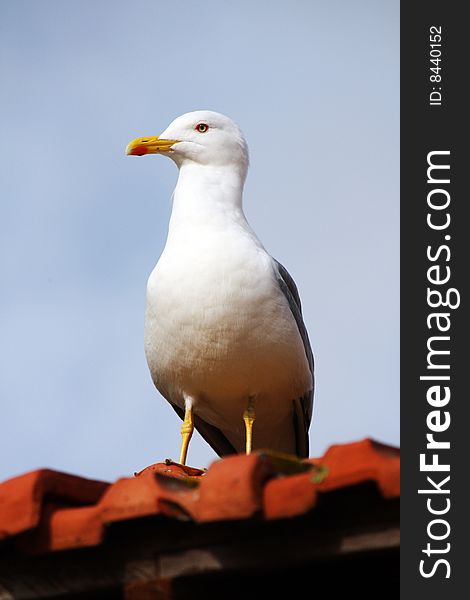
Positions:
(303, 407)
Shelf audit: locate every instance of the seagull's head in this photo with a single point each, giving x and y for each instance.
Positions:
(203, 137)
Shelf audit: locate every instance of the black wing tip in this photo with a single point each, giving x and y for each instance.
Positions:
(301, 424)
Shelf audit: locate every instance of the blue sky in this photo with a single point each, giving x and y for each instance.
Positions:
(315, 88)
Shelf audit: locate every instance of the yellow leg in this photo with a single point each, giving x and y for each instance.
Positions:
(249, 418)
(187, 429)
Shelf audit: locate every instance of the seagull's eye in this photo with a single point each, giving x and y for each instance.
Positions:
(202, 127)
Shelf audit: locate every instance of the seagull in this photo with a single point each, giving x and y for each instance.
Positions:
(225, 341)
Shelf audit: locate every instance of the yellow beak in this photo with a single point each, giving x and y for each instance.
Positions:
(149, 145)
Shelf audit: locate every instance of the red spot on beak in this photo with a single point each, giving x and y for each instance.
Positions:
(140, 150)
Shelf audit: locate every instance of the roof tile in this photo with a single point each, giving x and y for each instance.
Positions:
(55, 511)
(365, 460)
(233, 488)
(289, 496)
(63, 528)
(172, 468)
(143, 496)
(22, 498)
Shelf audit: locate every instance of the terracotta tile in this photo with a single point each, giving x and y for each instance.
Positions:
(365, 460)
(289, 496)
(144, 496)
(172, 469)
(161, 589)
(129, 498)
(55, 511)
(22, 498)
(63, 528)
(233, 488)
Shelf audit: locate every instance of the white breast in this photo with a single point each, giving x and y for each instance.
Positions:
(219, 329)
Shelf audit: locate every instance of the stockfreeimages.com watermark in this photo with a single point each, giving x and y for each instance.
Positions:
(441, 299)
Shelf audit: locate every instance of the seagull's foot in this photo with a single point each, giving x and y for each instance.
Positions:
(186, 433)
(249, 418)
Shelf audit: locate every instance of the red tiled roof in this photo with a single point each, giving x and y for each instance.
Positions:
(47, 510)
